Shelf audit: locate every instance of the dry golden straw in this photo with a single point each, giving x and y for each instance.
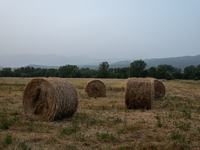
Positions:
(139, 93)
(95, 88)
(47, 99)
(159, 89)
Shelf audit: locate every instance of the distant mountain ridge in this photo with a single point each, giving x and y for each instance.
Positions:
(178, 62)
(53, 61)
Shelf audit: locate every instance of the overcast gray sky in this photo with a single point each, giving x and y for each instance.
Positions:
(131, 29)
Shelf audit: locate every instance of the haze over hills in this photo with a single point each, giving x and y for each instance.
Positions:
(21, 60)
(178, 62)
(54, 61)
(45, 60)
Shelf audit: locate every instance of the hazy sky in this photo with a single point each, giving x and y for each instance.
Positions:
(131, 29)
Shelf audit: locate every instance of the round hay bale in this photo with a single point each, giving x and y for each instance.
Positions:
(159, 89)
(139, 93)
(95, 88)
(47, 99)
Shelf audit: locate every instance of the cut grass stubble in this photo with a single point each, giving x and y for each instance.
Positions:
(104, 122)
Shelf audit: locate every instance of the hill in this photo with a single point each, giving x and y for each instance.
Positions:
(178, 62)
(57, 61)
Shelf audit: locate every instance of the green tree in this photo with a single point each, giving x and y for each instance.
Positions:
(123, 72)
(37, 72)
(166, 68)
(43, 72)
(1, 73)
(111, 70)
(162, 69)
(168, 75)
(29, 71)
(152, 72)
(23, 75)
(143, 73)
(190, 72)
(66, 71)
(198, 71)
(76, 73)
(113, 75)
(160, 73)
(7, 72)
(86, 73)
(50, 72)
(56, 73)
(17, 72)
(177, 73)
(22, 70)
(103, 70)
(94, 73)
(136, 67)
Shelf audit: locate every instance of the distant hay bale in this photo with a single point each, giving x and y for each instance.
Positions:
(159, 89)
(47, 99)
(139, 93)
(95, 88)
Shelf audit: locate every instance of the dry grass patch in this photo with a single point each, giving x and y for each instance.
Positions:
(104, 123)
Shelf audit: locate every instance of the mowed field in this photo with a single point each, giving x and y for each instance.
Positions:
(105, 123)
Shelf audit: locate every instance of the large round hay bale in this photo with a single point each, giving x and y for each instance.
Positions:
(49, 98)
(159, 89)
(139, 93)
(95, 88)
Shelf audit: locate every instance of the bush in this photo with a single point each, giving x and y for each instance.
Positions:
(196, 78)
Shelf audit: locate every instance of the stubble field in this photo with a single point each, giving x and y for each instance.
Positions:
(104, 123)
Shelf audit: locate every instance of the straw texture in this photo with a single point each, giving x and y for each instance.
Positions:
(159, 89)
(95, 88)
(139, 93)
(49, 98)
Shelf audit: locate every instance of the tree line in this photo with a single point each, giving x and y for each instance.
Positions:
(136, 69)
